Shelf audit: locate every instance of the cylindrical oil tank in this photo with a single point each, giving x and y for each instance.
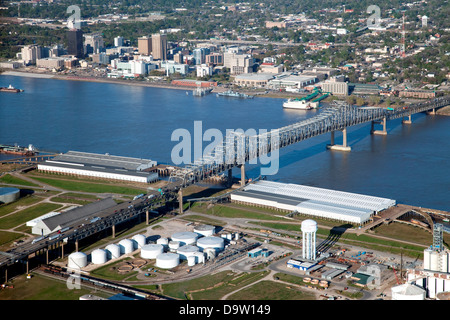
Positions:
(187, 251)
(77, 260)
(191, 261)
(199, 257)
(211, 242)
(8, 195)
(174, 245)
(185, 238)
(167, 260)
(126, 246)
(205, 230)
(141, 240)
(113, 251)
(151, 251)
(99, 256)
(210, 253)
(163, 241)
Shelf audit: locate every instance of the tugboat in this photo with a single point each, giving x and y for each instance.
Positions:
(10, 88)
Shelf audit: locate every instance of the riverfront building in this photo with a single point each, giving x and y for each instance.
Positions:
(312, 201)
(101, 166)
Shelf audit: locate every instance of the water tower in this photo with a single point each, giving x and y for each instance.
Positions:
(309, 229)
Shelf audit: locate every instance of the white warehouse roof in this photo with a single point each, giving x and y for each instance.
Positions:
(324, 203)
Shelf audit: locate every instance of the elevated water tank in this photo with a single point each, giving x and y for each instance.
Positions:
(126, 246)
(205, 230)
(140, 239)
(309, 225)
(99, 256)
(77, 260)
(187, 251)
(151, 251)
(185, 238)
(167, 260)
(211, 242)
(113, 251)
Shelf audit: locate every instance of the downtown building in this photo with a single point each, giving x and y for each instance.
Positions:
(75, 43)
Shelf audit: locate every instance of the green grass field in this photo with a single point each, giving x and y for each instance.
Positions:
(27, 214)
(73, 185)
(9, 179)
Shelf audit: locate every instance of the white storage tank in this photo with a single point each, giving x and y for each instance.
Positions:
(163, 241)
(199, 257)
(174, 245)
(434, 261)
(205, 230)
(167, 260)
(211, 242)
(210, 253)
(99, 256)
(141, 240)
(191, 261)
(187, 251)
(408, 291)
(77, 260)
(185, 238)
(113, 251)
(427, 258)
(126, 246)
(151, 251)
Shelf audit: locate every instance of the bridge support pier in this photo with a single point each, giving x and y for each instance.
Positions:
(409, 121)
(242, 174)
(113, 228)
(343, 147)
(230, 178)
(146, 216)
(432, 112)
(379, 132)
(180, 200)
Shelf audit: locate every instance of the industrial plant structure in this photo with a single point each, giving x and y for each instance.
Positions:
(309, 229)
(101, 166)
(318, 202)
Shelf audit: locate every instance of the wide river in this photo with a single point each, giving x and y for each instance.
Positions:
(410, 164)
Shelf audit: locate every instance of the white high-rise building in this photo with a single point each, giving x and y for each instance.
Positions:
(309, 229)
(118, 41)
(30, 54)
(424, 21)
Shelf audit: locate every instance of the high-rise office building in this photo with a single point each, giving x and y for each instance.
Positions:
(118, 41)
(93, 43)
(145, 46)
(75, 43)
(159, 46)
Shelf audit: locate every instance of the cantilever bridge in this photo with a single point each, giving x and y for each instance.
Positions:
(237, 148)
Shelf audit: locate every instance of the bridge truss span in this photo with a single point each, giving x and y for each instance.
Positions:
(238, 148)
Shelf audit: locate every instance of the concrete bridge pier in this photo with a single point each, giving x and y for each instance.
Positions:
(343, 147)
(180, 200)
(242, 174)
(379, 132)
(409, 121)
(230, 178)
(432, 112)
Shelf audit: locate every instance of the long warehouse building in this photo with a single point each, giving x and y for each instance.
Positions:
(101, 166)
(317, 202)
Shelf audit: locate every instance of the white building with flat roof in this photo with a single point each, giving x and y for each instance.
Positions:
(313, 201)
(101, 166)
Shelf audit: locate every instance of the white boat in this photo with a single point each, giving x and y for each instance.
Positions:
(297, 104)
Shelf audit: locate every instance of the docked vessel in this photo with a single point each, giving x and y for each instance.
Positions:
(18, 150)
(234, 94)
(10, 88)
(297, 104)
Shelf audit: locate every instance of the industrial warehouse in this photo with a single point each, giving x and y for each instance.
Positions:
(101, 166)
(318, 202)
